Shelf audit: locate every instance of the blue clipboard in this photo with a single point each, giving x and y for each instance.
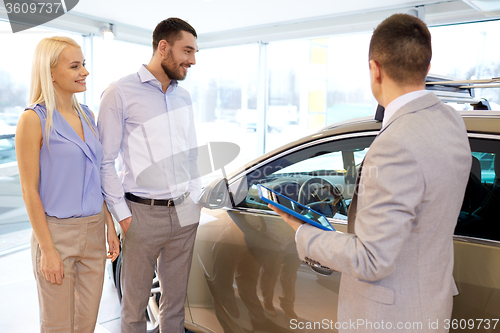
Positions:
(294, 208)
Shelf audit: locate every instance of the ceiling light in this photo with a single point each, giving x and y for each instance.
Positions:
(107, 32)
(418, 11)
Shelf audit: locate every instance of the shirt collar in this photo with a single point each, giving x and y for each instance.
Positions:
(146, 77)
(399, 102)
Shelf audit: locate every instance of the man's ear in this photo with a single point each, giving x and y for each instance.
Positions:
(375, 71)
(163, 47)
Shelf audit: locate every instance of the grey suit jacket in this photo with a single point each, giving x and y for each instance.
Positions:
(397, 264)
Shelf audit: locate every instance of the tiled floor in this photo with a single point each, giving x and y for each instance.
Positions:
(19, 303)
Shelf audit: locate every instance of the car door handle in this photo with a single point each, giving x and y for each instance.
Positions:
(322, 271)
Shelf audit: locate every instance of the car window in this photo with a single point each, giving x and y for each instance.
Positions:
(480, 215)
(321, 176)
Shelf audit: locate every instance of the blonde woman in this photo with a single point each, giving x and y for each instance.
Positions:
(59, 157)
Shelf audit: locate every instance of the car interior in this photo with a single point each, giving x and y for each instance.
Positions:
(479, 217)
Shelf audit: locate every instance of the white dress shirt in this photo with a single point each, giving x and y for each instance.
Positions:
(399, 102)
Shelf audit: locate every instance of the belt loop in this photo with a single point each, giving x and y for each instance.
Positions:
(152, 202)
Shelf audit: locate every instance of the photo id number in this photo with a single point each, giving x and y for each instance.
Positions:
(470, 324)
(33, 8)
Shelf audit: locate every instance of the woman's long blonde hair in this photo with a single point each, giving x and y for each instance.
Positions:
(42, 88)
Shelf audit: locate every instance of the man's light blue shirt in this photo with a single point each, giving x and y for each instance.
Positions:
(152, 135)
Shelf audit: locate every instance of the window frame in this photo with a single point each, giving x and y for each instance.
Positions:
(472, 239)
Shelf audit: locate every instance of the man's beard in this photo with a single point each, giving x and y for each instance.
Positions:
(170, 71)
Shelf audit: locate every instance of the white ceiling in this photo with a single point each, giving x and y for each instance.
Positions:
(228, 22)
(209, 16)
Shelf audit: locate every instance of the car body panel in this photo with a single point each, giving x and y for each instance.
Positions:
(477, 275)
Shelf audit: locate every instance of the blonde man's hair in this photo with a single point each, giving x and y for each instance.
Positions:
(42, 89)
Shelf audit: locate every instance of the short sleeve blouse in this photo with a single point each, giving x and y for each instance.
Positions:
(70, 183)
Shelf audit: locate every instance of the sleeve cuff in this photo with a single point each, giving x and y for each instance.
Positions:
(297, 232)
(120, 211)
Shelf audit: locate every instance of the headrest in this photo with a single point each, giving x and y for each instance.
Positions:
(497, 166)
(476, 168)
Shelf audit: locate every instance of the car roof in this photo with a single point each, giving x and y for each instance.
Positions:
(475, 122)
(482, 121)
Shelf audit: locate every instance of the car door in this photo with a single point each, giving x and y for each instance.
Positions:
(246, 255)
(477, 242)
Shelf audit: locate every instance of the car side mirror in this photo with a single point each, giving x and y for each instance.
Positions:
(215, 195)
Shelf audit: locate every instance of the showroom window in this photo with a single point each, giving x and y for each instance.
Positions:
(314, 83)
(15, 67)
(468, 51)
(349, 93)
(223, 86)
(112, 60)
(287, 111)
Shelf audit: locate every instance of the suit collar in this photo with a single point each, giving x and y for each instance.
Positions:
(415, 105)
(399, 102)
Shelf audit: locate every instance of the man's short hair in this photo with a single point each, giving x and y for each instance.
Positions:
(170, 30)
(401, 45)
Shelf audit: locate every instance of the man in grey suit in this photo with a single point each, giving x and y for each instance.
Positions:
(397, 257)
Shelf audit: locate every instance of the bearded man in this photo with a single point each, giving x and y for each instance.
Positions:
(146, 121)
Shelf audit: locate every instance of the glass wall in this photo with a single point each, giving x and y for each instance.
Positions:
(287, 115)
(314, 83)
(349, 93)
(111, 60)
(223, 86)
(15, 68)
(469, 51)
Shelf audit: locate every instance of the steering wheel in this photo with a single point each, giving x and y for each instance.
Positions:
(321, 195)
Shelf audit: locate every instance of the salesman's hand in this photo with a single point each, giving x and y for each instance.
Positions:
(294, 222)
(125, 224)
